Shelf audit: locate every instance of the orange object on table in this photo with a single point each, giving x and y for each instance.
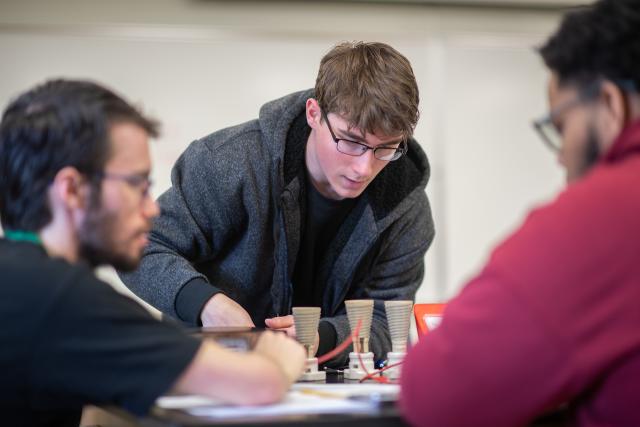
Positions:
(428, 316)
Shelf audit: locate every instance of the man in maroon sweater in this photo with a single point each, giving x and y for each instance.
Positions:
(554, 317)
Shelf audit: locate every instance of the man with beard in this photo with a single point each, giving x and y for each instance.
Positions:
(554, 317)
(74, 193)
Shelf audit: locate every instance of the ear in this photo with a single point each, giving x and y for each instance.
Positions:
(314, 113)
(615, 113)
(69, 189)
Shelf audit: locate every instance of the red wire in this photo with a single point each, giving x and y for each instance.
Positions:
(383, 380)
(364, 368)
(339, 349)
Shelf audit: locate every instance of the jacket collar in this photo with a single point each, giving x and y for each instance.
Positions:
(627, 143)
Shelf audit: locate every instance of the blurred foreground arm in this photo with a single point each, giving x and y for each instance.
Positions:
(259, 377)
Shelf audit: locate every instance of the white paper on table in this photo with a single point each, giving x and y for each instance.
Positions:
(186, 401)
(301, 399)
(351, 390)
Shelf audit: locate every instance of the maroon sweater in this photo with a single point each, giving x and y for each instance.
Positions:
(554, 316)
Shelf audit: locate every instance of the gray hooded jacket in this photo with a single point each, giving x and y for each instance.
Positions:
(231, 223)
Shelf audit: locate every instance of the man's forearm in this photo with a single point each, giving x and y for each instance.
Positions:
(191, 299)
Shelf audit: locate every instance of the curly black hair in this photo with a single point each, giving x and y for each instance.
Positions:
(601, 40)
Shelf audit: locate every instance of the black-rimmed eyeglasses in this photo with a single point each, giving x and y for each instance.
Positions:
(546, 126)
(355, 148)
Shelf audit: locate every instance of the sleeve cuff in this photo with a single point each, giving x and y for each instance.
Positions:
(191, 300)
(328, 338)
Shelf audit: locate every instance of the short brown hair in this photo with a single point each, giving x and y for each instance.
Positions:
(371, 85)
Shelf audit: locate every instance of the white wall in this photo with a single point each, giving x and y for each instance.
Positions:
(202, 65)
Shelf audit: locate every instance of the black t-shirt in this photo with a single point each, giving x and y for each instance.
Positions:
(69, 339)
(322, 220)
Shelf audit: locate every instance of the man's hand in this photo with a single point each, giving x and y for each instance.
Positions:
(285, 352)
(286, 323)
(221, 310)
